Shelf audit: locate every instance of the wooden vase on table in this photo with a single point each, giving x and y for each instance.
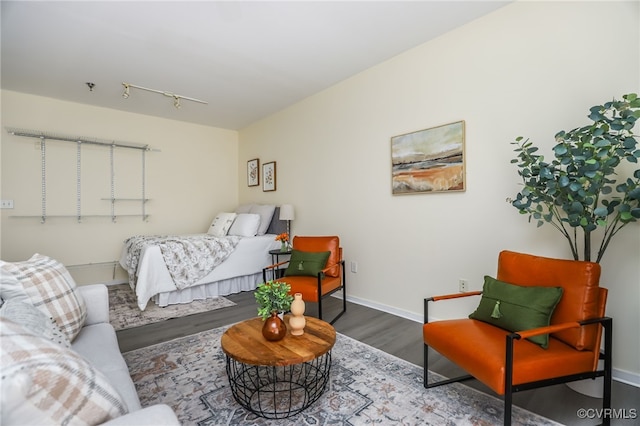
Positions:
(274, 328)
(296, 320)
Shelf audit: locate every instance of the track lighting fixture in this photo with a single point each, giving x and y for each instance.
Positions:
(176, 98)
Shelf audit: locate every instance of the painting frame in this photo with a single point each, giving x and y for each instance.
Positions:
(253, 172)
(428, 161)
(269, 176)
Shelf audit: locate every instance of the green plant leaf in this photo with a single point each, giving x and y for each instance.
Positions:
(574, 189)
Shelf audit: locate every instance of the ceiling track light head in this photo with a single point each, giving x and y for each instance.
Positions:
(125, 94)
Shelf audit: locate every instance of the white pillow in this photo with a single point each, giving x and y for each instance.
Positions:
(221, 224)
(266, 213)
(245, 225)
(244, 208)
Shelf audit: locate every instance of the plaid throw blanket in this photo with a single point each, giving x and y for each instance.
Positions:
(188, 258)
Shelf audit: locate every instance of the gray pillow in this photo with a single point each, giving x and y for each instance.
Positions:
(266, 213)
(34, 320)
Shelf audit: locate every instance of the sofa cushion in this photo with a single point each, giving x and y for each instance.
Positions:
(517, 308)
(98, 344)
(306, 263)
(45, 382)
(46, 284)
(34, 320)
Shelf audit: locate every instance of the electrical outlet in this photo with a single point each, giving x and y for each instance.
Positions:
(354, 267)
(6, 204)
(463, 285)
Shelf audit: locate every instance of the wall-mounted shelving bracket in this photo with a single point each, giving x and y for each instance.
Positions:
(43, 137)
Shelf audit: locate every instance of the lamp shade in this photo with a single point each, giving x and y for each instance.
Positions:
(286, 212)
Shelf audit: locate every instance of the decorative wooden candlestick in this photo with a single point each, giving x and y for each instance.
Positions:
(297, 320)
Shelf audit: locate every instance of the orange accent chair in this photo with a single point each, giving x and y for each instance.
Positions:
(506, 361)
(328, 281)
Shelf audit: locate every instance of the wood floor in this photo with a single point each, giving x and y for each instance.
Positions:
(397, 336)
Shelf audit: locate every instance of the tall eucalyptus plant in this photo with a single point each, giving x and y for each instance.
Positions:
(577, 190)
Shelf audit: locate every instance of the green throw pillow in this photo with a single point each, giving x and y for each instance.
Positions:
(306, 263)
(517, 308)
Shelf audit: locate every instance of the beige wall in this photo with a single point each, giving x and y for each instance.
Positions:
(191, 179)
(531, 69)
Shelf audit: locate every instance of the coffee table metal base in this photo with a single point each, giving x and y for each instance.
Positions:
(277, 392)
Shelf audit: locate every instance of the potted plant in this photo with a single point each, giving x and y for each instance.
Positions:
(577, 192)
(273, 298)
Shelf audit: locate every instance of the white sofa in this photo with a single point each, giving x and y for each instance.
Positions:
(48, 380)
(97, 343)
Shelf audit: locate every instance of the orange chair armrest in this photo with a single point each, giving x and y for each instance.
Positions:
(453, 296)
(547, 330)
(557, 327)
(332, 266)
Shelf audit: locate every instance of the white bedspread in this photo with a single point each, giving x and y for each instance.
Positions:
(250, 256)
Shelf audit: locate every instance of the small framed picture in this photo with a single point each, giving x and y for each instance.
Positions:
(269, 176)
(253, 172)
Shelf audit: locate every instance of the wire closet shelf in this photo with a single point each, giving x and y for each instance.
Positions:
(43, 137)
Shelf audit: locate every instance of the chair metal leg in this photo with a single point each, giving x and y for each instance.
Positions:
(508, 381)
(428, 385)
(344, 295)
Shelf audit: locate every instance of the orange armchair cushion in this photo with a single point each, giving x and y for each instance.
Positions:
(308, 286)
(316, 244)
(479, 348)
(580, 299)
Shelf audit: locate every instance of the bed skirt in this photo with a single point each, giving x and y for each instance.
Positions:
(208, 291)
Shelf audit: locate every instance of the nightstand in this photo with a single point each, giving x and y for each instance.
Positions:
(275, 258)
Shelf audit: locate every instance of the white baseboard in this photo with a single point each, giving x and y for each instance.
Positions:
(619, 375)
(627, 377)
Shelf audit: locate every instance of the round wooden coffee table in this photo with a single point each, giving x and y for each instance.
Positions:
(279, 379)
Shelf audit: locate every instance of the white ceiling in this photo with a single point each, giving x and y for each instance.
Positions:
(247, 59)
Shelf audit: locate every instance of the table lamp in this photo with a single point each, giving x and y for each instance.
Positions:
(287, 213)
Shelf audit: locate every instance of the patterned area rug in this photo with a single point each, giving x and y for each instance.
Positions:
(124, 312)
(367, 386)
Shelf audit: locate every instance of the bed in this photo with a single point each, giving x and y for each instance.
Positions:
(152, 278)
